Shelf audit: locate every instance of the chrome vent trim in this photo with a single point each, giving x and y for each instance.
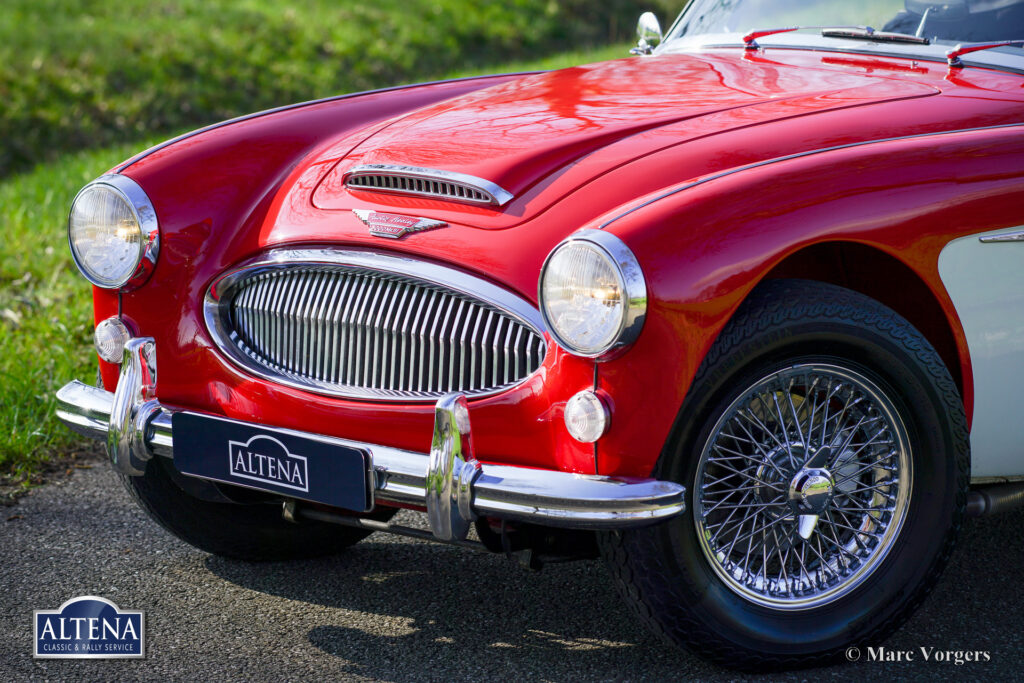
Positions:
(426, 182)
(361, 325)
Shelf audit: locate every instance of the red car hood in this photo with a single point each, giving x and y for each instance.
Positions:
(525, 131)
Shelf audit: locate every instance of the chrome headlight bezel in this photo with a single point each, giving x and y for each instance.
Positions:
(633, 287)
(141, 207)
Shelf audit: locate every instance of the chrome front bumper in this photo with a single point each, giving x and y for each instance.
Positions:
(453, 486)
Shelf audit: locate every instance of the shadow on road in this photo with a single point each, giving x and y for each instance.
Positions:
(467, 614)
(462, 613)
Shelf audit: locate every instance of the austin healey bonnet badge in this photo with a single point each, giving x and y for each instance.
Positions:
(394, 226)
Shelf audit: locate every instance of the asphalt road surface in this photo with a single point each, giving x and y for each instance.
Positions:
(394, 609)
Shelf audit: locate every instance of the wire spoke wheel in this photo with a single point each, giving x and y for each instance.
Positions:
(825, 450)
(803, 486)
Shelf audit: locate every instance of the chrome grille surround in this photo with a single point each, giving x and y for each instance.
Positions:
(426, 182)
(365, 325)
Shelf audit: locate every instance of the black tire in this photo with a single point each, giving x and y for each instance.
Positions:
(254, 532)
(673, 583)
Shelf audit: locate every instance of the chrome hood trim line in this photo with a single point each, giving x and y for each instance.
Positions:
(789, 157)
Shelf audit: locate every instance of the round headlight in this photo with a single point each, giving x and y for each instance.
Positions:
(592, 294)
(113, 232)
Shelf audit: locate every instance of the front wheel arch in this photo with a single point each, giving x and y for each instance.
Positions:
(856, 266)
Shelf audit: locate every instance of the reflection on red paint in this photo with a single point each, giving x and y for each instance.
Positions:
(586, 147)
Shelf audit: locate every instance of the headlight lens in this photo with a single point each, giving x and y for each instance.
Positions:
(113, 232)
(593, 295)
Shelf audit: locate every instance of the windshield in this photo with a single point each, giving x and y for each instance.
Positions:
(943, 22)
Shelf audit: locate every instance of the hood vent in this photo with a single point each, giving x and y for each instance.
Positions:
(426, 182)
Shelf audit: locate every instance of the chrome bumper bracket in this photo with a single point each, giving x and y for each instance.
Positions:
(451, 471)
(449, 482)
(133, 407)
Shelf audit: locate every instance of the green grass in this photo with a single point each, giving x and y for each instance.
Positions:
(89, 73)
(45, 305)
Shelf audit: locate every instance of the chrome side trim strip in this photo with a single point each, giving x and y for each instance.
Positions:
(449, 482)
(789, 157)
(1015, 236)
(428, 182)
(981, 481)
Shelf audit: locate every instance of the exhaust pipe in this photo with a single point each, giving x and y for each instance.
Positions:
(989, 500)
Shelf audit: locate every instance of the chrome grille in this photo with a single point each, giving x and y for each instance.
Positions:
(426, 182)
(352, 331)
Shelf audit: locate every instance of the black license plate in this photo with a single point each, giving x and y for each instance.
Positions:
(273, 460)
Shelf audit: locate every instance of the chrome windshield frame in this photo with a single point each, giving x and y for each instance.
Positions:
(1002, 60)
(935, 52)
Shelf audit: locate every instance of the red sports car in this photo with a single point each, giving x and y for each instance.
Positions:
(743, 314)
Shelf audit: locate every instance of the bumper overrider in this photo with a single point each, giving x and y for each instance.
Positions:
(449, 481)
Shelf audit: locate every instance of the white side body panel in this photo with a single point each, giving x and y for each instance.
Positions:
(986, 283)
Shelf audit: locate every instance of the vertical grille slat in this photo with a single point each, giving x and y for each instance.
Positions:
(515, 349)
(287, 352)
(351, 331)
(308, 351)
(431, 352)
(359, 330)
(476, 343)
(495, 359)
(459, 342)
(405, 349)
(424, 338)
(288, 288)
(323, 335)
(261, 297)
(416, 340)
(299, 328)
(297, 337)
(508, 357)
(335, 325)
(265, 303)
(444, 380)
(383, 361)
(391, 329)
